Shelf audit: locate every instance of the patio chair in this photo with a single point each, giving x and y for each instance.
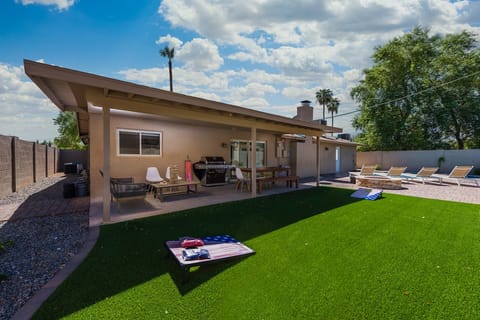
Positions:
(366, 170)
(152, 177)
(241, 180)
(424, 174)
(393, 172)
(458, 174)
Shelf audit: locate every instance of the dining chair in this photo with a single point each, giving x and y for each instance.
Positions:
(241, 180)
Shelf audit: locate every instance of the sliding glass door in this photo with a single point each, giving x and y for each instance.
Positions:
(239, 153)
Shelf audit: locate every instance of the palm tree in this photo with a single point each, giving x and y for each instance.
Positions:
(324, 96)
(332, 107)
(168, 53)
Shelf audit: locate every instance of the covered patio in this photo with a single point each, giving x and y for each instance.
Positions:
(90, 94)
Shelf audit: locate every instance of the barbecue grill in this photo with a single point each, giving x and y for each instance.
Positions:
(211, 170)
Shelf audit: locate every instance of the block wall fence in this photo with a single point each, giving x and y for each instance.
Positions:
(415, 160)
(24, 162)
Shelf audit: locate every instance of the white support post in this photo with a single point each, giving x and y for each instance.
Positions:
(318, 160)
(106, 164)
(253, 161)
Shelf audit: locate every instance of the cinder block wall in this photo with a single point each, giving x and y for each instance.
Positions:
(23, 163)
(415, 160)
(51, 158)
(40, 158)
(5, 165)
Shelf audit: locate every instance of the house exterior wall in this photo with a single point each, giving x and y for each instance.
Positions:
(179, 141)
(303, 158)
(348, 158)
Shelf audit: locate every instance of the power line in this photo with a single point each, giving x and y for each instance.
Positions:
(412, 94)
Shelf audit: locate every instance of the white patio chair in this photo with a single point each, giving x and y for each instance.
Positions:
(152, 177)
(241, 180)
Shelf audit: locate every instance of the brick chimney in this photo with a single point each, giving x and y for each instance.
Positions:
(304, 111)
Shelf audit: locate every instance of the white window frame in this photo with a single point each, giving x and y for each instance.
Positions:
(160, 133)
(249, 142)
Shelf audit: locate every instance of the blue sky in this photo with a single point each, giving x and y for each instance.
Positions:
(266, 55)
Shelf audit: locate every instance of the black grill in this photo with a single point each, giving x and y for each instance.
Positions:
(211, 171)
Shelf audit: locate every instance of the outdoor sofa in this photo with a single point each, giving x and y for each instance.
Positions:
(124, 188)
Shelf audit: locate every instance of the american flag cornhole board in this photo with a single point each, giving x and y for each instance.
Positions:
(221, 248)
(368, 194)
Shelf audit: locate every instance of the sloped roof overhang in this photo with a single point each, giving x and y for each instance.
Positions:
(72, 90)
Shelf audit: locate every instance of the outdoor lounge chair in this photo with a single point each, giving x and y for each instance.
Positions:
(426, 173)
(393, 172)
(458, 174)
(366, 170)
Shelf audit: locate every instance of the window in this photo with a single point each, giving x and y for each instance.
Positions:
(239, 153)
(134, 142)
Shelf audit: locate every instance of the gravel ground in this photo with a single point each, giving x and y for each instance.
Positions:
(36, 248)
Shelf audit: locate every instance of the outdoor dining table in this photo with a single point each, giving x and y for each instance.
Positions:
(273, 171)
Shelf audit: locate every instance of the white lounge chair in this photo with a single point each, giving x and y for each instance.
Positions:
(366, 170)
(393, 172)
(426, 173)
(458, 175)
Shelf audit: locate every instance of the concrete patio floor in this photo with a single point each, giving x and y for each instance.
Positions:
(137, 208)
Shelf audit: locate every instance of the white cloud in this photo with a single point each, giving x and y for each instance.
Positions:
(24, 106)
(206, 95)
(60, 4)
(149, 76)
(306, 45)
(172, 42)
(200, 54)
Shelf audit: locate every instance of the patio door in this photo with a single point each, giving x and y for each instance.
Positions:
(337, 160)
(240, 153)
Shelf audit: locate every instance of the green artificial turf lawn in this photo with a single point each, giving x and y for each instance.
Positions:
(320, 254)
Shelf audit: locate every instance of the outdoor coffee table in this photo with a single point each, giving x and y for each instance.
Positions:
(165, 188)
(379, 182)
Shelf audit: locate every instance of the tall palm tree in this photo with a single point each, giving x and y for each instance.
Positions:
(169, 53)
(332, 107)
(324, 96)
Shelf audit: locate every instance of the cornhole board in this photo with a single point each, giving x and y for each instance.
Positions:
(368, 194)
(221, 248)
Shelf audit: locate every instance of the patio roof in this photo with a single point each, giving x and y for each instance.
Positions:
(72, 90)
(81, 92)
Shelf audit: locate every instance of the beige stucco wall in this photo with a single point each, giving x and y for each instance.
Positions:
(303, 158)
(179, 140)
(348, 157)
